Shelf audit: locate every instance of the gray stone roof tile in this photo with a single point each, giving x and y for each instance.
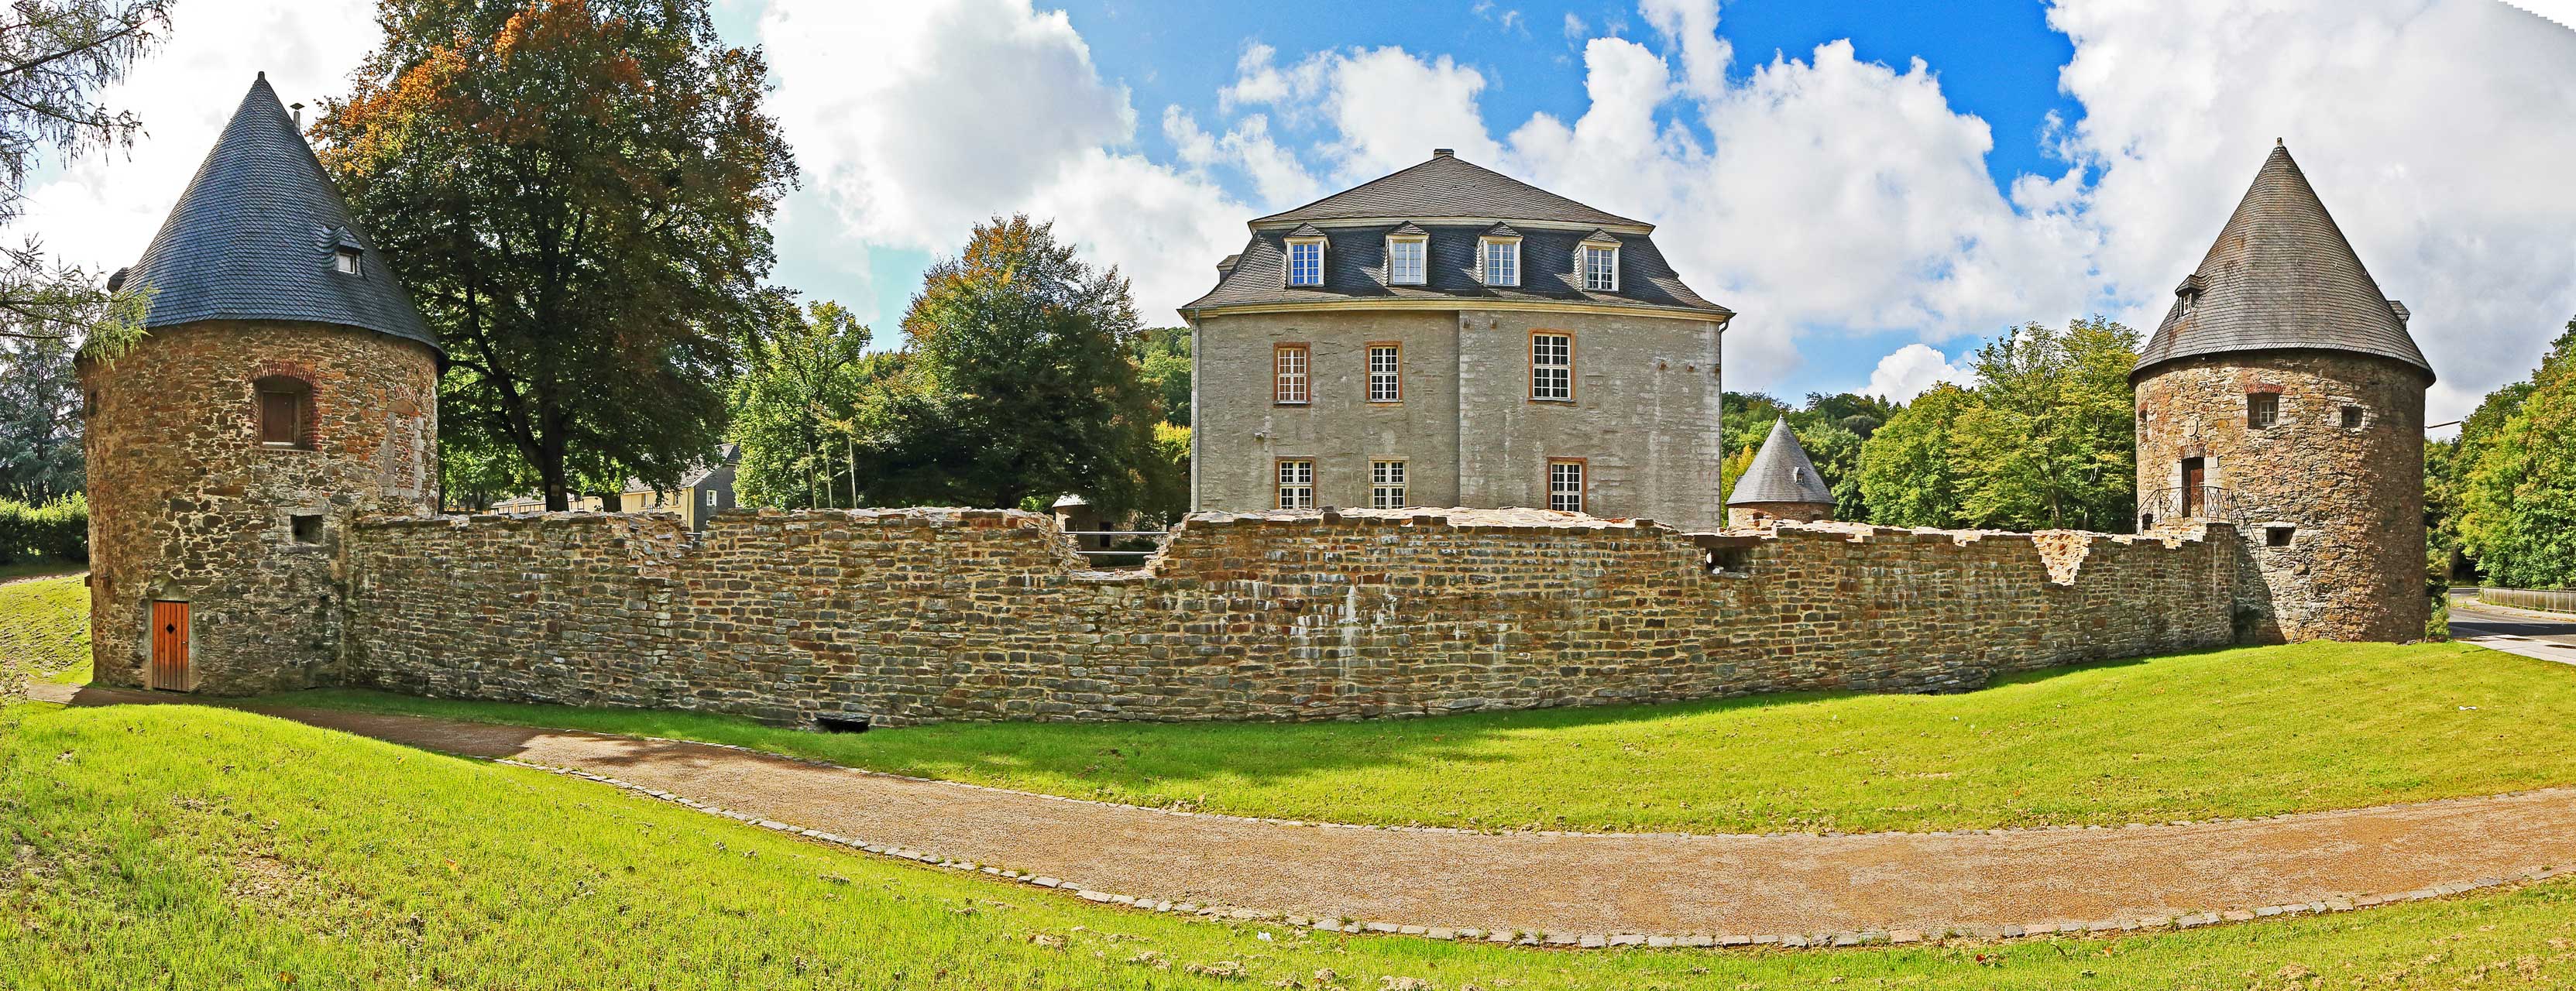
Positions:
(1781, 472)
(1447, 186)
(2281, 276)
(253, 237)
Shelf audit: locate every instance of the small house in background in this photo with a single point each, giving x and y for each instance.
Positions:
(1075, 514)
(702, 493)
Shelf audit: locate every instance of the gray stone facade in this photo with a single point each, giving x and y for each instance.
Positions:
(1643, 420)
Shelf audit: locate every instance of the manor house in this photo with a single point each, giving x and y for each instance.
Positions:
(1450, 336)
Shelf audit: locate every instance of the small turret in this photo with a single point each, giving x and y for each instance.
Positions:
(1781, 485)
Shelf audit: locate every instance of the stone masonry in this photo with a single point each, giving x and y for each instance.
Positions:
(187, 505)
(2330, 516)
(912, 616)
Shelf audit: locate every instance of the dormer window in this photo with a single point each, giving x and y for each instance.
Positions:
(347, 261)
(1306, 257)
(1406, 251)
(1499, 256)
(2189, 293)
(1600, 260)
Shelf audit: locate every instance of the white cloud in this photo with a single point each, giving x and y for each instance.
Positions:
(102, 209)
(1911, 370)
(915, 121)
(2435, 130)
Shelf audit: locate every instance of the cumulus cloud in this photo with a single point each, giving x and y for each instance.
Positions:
(964, 109)
(101, 209)
(1912, 370)
(2435, 130)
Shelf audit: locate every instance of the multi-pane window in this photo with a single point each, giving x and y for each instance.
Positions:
(1551, 366)
(1386, 485)
(1290, 361)
(1385, 381)
(1565, 485)
(1296, 484)
(1404, 262)
(1600, 268)
(1502, 263)
(2262, 409)
(1306, 263)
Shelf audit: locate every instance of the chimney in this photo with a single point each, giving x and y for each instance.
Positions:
(2399, 309)
(299, 114)
(1444, 152)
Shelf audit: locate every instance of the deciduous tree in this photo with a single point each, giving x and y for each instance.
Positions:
(55, 58)
(2518, 496)
(576, 193)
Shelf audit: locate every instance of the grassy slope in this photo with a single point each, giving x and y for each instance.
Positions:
(44, 629)
(190, 847)
(2243, 732)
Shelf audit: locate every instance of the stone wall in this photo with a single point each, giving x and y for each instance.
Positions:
(2331, 517)
(187, 505)
(912, 616)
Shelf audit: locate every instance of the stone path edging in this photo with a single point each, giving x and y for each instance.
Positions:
(1898, 937)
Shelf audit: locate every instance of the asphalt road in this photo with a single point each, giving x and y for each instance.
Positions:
(2545, 636)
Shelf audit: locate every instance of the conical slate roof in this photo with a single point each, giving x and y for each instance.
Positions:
(1447, 186)
(1781, 472)
(2281, 276)
(253, 239)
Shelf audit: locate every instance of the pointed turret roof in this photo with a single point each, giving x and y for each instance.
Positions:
(1781, 472)
(2281, 276)
(1448, 186)
(254, 238)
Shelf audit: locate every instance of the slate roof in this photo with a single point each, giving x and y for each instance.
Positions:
(1447, 186)
(1355, 269)
(1781, 472)
(2281, 276)
(253, 237)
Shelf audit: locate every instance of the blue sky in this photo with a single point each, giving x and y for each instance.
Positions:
(1876, 187)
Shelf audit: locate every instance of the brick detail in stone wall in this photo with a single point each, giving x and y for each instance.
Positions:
(186, 504)
(911, 616)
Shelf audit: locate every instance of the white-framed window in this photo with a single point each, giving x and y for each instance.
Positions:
(1306, 262)
(1289, 361)
(1552, 367)
(711, 498)
(1502, 261)
(1404, 260)
(1565, 484)
(1296, 483)
(347, 261)
(1385, 372)
(1601, 267)
(2262, 410)
(1386, 485)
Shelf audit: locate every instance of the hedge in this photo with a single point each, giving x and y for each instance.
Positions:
(57, 529)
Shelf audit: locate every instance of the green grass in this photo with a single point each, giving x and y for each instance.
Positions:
(44, 629)
(39, 567)
(178, 846)
(2228, 733)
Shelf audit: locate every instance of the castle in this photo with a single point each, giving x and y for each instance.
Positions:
(262, 518)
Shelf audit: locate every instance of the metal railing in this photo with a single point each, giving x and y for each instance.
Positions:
(1113, 556)
(2169, 506)
(2543, 599)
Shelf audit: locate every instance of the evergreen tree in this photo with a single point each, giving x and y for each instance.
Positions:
(40, 426)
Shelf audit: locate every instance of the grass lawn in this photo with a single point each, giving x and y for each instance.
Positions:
(176, 846)
(44, 627)
(2228, 733)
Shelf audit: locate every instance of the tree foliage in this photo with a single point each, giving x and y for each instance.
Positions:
(2042, 439)
(803, 407)
(2516, 493)
(576, 194)
(56, 56)
(40, 428)
(1162, 357)
(1019, 383)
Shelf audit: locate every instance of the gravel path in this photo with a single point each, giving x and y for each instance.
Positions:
(1612, 888)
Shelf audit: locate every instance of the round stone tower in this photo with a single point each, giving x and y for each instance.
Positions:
(1780, 486)
(2283, 394)
(284, 386)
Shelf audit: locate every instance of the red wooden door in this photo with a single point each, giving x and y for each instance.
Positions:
(2193, 477)
(170, 647)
